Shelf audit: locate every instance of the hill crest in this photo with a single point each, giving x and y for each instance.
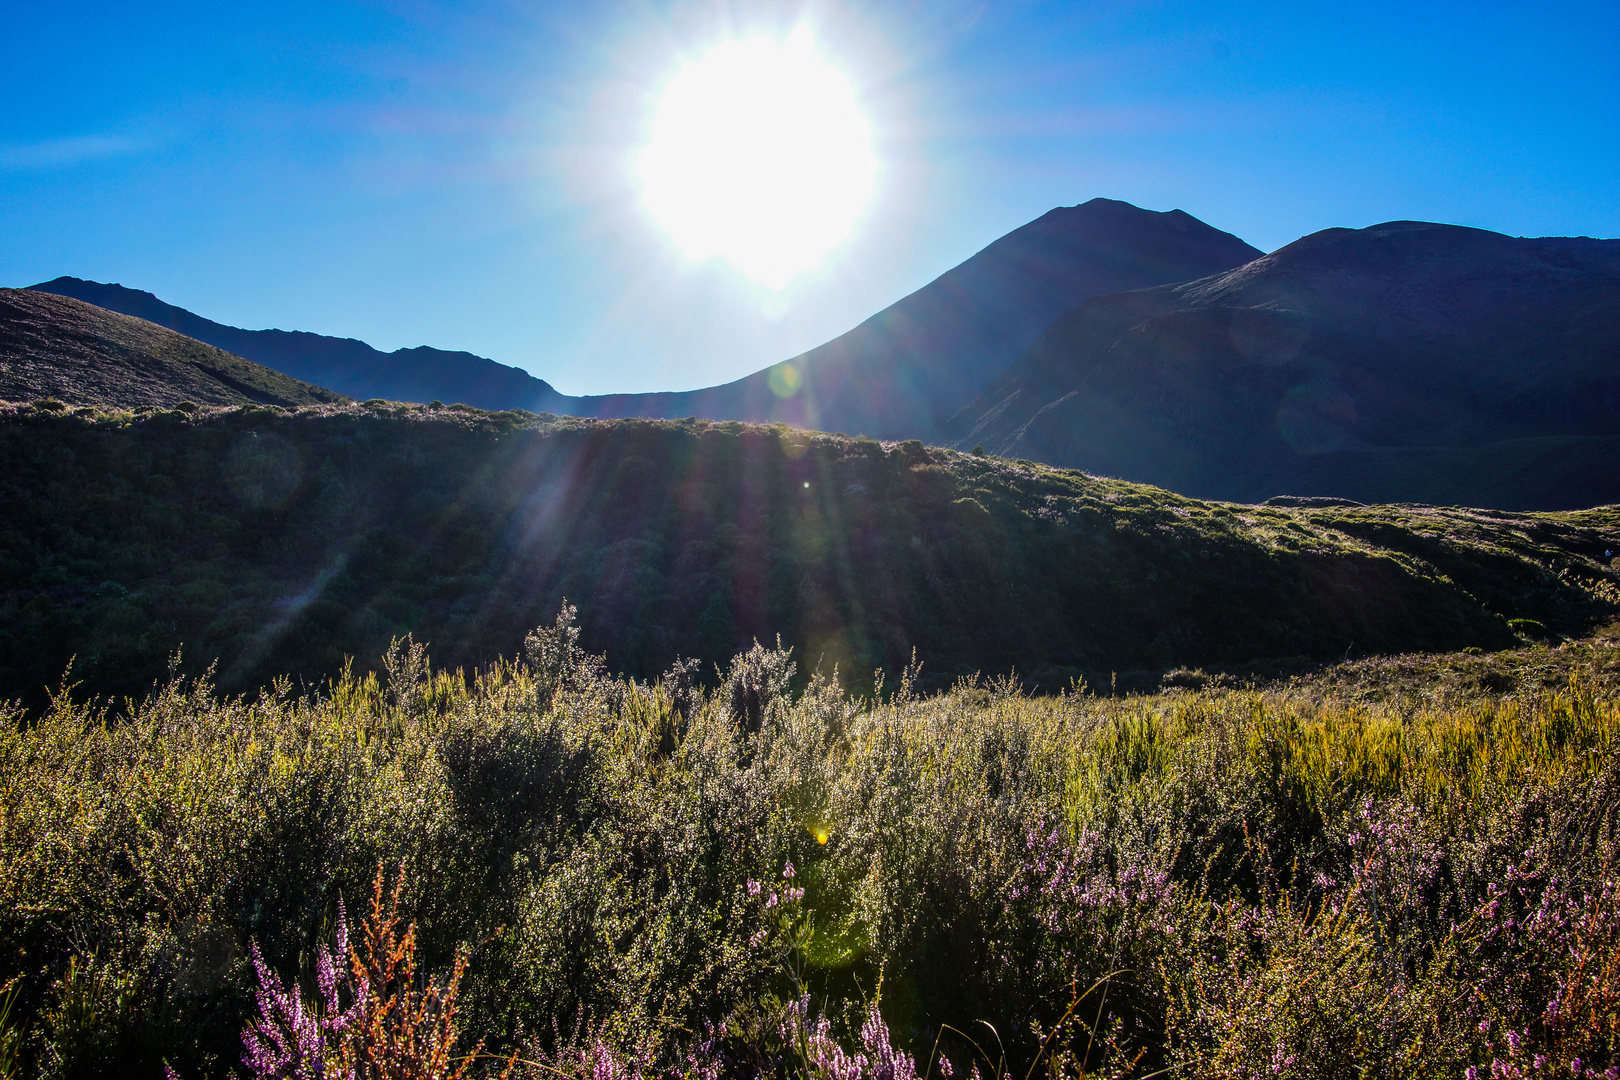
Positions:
(82, 354)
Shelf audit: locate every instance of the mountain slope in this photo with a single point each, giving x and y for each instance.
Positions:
(1405, 361)
(902, 372)
(282, 542)
(81, 354)
(348, 366)
(897, 375)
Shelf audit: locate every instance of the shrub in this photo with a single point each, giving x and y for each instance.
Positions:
(1298, 881)
(757, 680)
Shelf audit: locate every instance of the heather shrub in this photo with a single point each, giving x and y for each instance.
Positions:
(779, 876)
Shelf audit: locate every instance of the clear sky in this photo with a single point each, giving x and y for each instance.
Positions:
(463, 175)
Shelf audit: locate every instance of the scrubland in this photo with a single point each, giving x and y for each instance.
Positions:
(1389, 869)
(278, 542)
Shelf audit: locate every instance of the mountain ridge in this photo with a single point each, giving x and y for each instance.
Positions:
(898, 374)
(346, 365)
(907, 368)
(1347, 363)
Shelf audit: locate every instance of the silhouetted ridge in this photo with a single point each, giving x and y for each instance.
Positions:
(348, 366)
(285, 541)
(908, 368)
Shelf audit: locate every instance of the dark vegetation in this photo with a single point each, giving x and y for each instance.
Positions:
(1403, 362)
(612, 880)
(57, 349)
(276, 542)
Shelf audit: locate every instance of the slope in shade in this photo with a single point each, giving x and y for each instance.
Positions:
(1403, 362)
(284, 542)
(348, 366)
(912, 365)
(81, 354)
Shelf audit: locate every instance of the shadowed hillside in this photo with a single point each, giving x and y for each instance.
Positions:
(80, 354)
(1405, 361)
(348, 366)
(281, 542)
(908, 368)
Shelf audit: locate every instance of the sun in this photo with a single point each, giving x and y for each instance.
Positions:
(760, 155)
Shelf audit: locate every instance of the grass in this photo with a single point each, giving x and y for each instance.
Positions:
(622, 878)
(276, 541)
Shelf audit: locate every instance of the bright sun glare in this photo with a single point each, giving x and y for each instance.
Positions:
(760, 155)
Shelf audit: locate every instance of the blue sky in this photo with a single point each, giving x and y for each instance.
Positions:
(461, 175)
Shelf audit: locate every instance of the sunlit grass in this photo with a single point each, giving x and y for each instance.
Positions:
(1269, 875)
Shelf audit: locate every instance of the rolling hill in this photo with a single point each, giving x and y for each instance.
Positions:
(80, 354)
(281, 541)
(1405, 361)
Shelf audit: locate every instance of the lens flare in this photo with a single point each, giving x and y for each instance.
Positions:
(759, 155)
(784, 380)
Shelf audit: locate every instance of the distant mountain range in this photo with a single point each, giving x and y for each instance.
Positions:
(53, 347)
(345, 365)
(898, 375)
(1404, 362)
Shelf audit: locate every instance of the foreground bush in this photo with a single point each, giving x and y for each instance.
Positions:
(630, 879)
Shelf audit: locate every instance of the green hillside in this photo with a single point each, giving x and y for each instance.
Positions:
(283, 541)
(54, 347)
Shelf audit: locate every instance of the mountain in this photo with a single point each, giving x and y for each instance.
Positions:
(1406, 361)
(897, 375)
(80, 354)
(904, 371)
(280, 542)
(348, 366)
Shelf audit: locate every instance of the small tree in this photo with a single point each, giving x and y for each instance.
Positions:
(557, 660)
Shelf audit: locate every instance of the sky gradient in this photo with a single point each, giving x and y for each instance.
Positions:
(463, 176)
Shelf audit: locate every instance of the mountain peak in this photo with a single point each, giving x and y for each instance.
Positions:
(905, 370)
